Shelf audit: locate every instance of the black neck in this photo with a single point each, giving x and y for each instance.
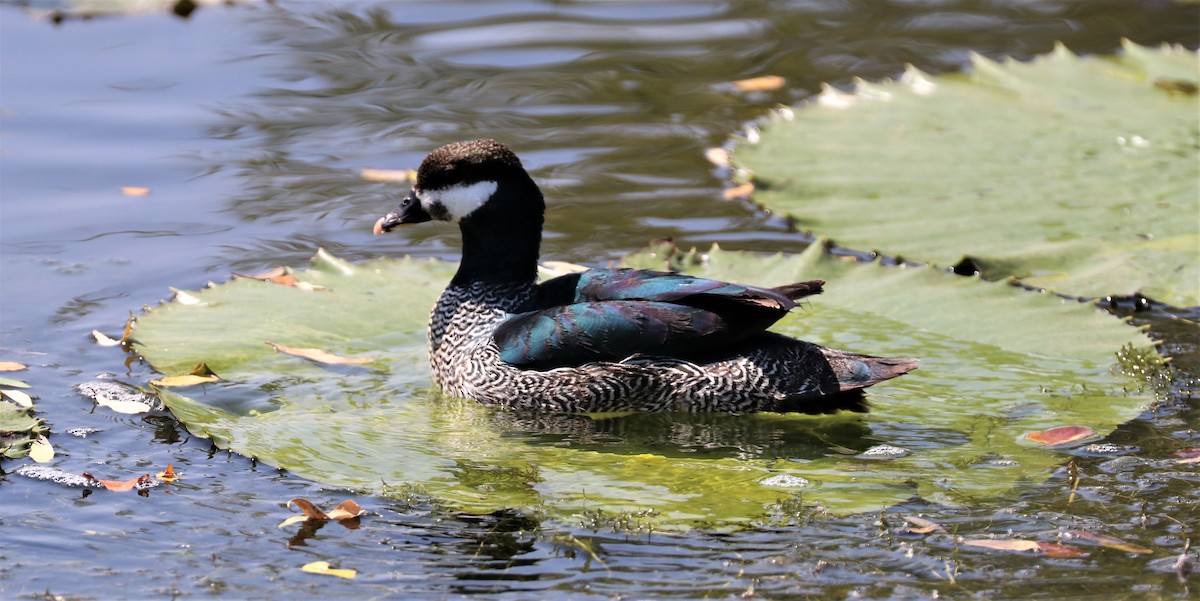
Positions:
(501, 241)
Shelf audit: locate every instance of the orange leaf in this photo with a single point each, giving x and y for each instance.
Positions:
(320, 356)
(765, 83)
(922, 525)
(117, 485)
(1005, 544)
(167, 475)
(135, 191)
(308, 509)
(12, 366)
(742, 191)
(1110, 542)
(1064, 551)
(1061, 435)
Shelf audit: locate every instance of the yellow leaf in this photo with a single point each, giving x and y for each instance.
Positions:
(12, 366)
(322, 567)
(185, 380)
(18, 397)
(1011, 544)
(765, 83)
(406, 176)
(41, 451)
(135, 191)
(717, 156)
(318, 355)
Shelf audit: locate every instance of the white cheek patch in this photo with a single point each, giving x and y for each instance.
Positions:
(458, 201)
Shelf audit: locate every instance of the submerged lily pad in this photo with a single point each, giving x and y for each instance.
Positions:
(997, 363)
(1077, 174)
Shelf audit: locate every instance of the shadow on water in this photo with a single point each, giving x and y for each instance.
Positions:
(611, 108)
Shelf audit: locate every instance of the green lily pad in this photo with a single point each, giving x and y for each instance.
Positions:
(1075, 174)
(997, 362)
(18, 430)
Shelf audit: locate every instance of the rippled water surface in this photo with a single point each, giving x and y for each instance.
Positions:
(250, 124)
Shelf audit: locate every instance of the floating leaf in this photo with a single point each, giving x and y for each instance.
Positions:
(1061, 435)
(997, 362)
(184, 380)
(921, 525)
(717, 156)
(1076, 174)
(322, 567)
(13, 383)
(741, 191)
(135, 191)
(1110, 542)
(119, 397)
(40, 450)
(12, 366)
(1008, 544)
(18, 397)
(318, 355)
(103, 339)
(167, 475)
(765, 83)
(1061, 551)
(404, 176)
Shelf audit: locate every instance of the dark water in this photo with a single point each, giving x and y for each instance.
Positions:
(250, 123)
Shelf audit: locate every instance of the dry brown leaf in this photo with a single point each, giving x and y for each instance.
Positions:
(309, 510)
(922, 525)
(322, 567)
(743, 191)
(1061, 551)
(135, 191)
(1010, 544)
(118, 485)
(717, 156)
(184, 380)
(406, 176)
(320, 356)
(1110, 542)
(12, 366)
(765, 83)
(345, 510)
(1061, 435)
(282, 276)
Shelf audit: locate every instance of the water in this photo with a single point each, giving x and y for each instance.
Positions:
(249, 124)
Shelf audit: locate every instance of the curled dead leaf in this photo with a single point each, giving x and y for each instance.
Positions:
(921, 525)
(1061, 435)
(742, 191)
(405, 176)
(12, 366)
(765, 83)
(346, 513)
(309, 510)
(1109, 541)
(136, 191)
(320, 356)
(345, 510)
(167, 475)
(322, 567)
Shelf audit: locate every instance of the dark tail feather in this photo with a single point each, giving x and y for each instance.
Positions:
(800, 290)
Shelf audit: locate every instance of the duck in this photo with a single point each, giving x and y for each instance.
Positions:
(605, 339)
